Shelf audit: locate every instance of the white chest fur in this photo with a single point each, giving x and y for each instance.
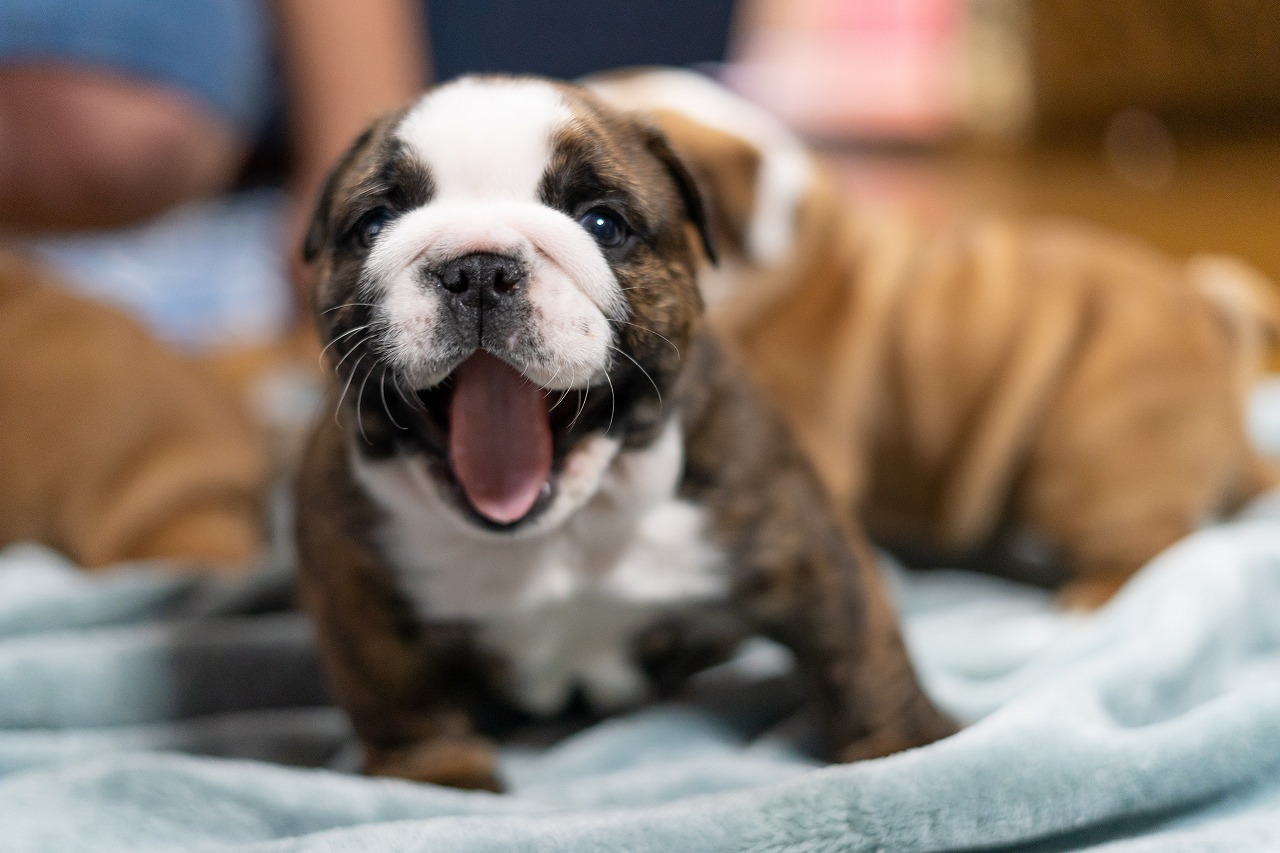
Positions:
(561, 605)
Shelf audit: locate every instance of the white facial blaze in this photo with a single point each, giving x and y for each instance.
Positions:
(486, 139)
(487, 144)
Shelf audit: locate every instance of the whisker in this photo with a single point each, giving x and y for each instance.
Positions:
(613, 401)
(559, 400)
(650, 331)
(415, 403)
(552, 380)
(582, 404)
(573, 382)
(360, 400)
(627, 356)
(338, 408)
(564, 393)
(348, 353)
(349, 305)
(382, 392)
(340, 337)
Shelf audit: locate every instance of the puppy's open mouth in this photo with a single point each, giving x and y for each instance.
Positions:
(504, 437)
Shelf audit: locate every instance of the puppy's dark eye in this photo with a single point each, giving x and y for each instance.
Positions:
(606, 227)
(369, 226)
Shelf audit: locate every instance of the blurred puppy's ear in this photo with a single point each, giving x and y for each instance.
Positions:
(322, 217)
(694, 208)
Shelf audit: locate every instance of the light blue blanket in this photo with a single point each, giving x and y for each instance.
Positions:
(139, 712)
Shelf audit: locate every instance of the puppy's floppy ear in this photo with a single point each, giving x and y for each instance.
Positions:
(318, 230)
(695, 209)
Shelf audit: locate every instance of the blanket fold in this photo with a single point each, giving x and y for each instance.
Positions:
(143, 711)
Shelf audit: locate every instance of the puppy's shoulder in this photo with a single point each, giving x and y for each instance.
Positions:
(335, 516)
(734, 441)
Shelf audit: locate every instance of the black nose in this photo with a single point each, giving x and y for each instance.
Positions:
(482, 271)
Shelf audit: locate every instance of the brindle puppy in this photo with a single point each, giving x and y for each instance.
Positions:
(543, 480)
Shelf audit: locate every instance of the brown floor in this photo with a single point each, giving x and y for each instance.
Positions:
(1223, 196)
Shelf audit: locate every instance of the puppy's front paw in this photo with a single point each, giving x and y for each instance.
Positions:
(459, 763)
(1089, 593)
(875, 745)
(915, 727)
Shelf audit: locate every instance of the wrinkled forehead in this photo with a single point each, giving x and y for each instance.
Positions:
(486, 138)
(507, 138)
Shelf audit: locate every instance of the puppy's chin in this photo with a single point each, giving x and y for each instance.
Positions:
(507, 454)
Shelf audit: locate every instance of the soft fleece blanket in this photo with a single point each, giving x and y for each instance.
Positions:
(140, 711)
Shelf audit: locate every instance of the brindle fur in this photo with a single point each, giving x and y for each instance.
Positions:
(423, 696)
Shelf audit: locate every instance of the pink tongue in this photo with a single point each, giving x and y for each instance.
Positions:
(499, 438)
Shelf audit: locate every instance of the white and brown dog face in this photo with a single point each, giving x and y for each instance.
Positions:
(505, 281)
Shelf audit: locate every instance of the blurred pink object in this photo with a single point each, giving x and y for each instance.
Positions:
(837, 69)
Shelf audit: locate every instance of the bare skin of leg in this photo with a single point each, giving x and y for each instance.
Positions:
(80, 148)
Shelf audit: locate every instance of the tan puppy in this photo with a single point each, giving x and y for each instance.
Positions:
(988, 383)
(116, 448)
